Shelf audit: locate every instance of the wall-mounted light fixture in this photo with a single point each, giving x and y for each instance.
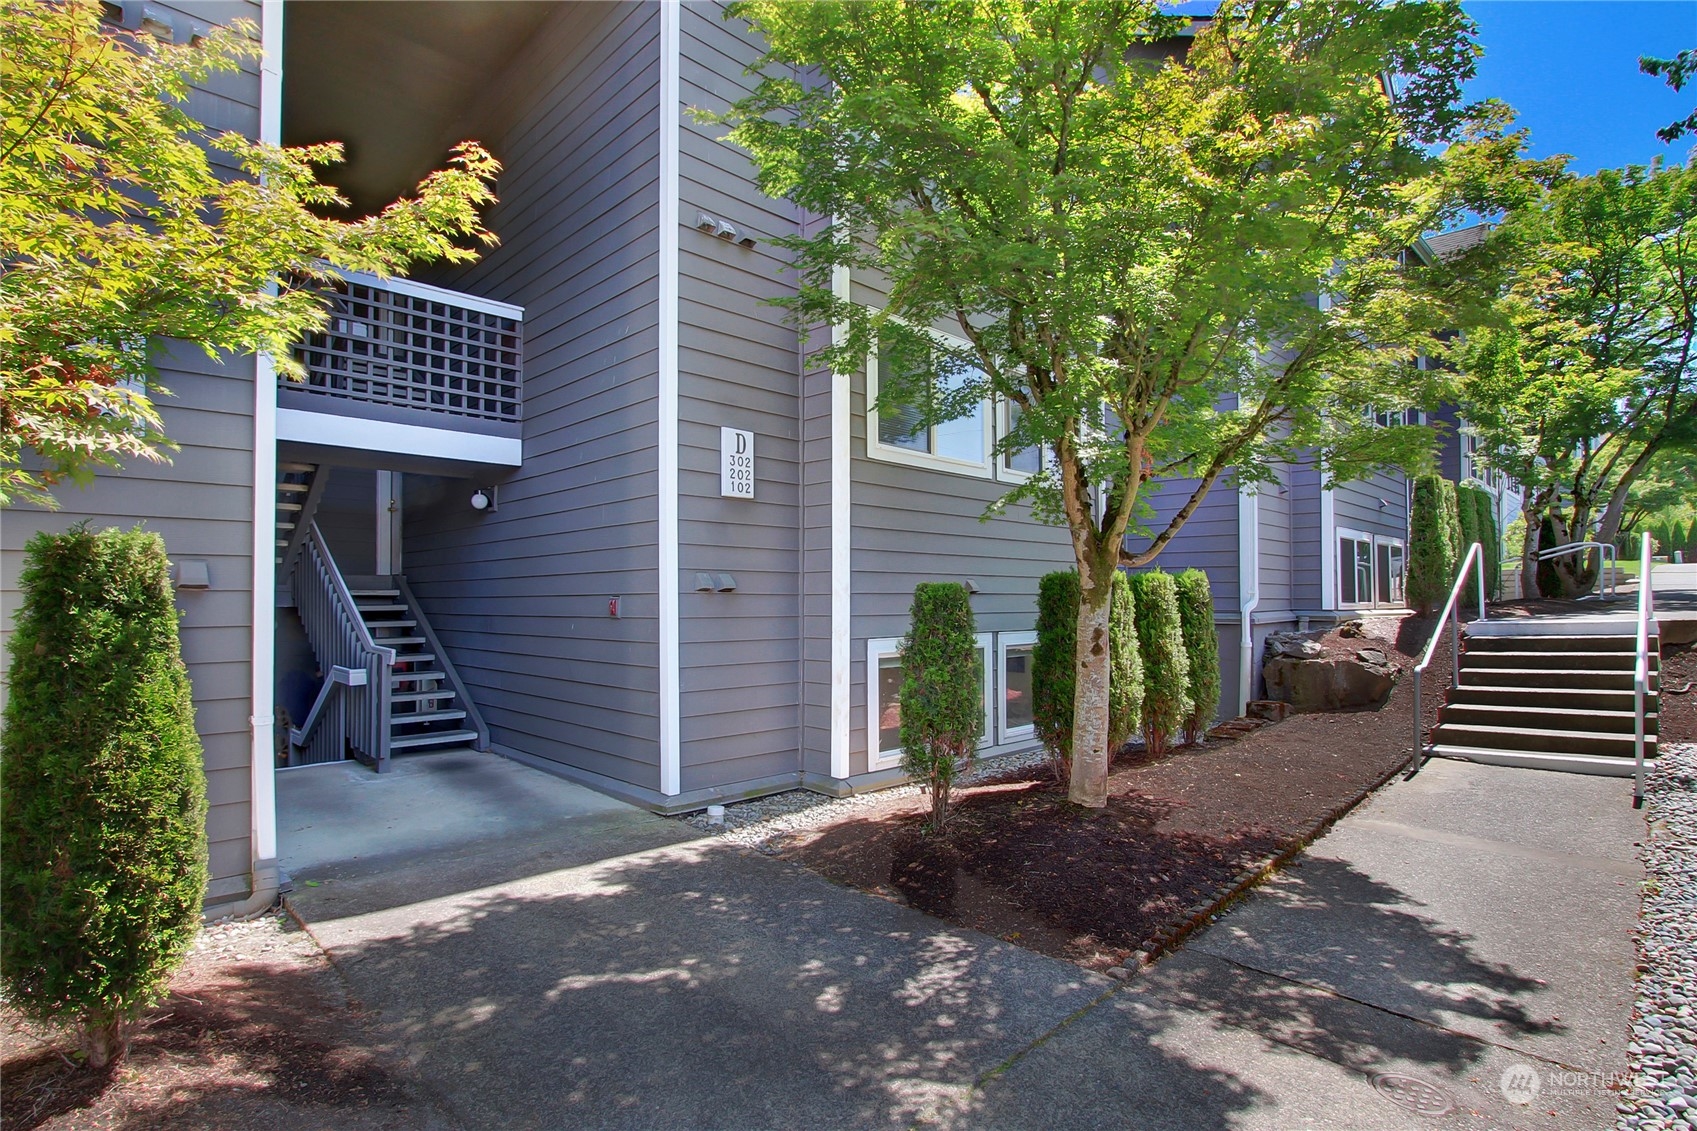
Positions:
(483, 499)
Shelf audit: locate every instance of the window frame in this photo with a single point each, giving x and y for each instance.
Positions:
(878, 647)
(1004, 425)
(1374, 543)
(1004, 733)
(877, 449)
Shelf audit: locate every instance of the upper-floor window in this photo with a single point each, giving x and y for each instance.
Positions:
(895, 432)
(1397, 417)
(1473, 465)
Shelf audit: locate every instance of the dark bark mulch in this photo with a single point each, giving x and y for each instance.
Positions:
(1095, 886)
(1678, 707)
(256, 1033)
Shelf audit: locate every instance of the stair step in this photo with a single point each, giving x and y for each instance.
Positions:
(282, 543)
(1605, 661)
(380, 608)
(1546, 740)
(419, 696)
(1577, 643)
(446, 714)
(296, 468)
(1602, 765)
(1567, 718)
(397, 641)
(432, 738)
(1588, 679)
(401, 677)
(396, 623)
(1618, 699)
(356, 594)
(292, 487)
(412, 657)
(289, 506)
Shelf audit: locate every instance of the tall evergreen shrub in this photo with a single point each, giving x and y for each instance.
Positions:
(1201, 649)
(1479, 506)
(942, 697)
(1467, 514)
(1452, 532)
(102, 790)
(1166, 667)
(1125, 663)
(1431, 553)
(1054, 663)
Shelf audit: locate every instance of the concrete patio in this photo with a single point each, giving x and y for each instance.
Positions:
(544, 957)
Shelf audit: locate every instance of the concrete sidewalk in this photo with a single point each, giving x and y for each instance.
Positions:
(1463, 925)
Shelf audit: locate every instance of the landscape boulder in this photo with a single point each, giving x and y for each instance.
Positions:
(1330, 683)
(1294, 645)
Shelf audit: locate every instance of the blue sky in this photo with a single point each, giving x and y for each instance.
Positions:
(1570, 67)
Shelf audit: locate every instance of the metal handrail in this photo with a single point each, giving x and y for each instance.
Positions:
(1609, 559)
(1452, 614)
(356, 710)
(1641, 669)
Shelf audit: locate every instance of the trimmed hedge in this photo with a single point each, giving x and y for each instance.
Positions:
(1166, 667)
(1431, 553)
(1201, 648)
(1054, 663)
(103, 813)
(942, 697)
(1125, 666)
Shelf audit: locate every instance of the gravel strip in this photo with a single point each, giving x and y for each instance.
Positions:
(1661, 1086)
(755, 823)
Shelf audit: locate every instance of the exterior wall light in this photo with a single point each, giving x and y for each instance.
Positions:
(483, 499)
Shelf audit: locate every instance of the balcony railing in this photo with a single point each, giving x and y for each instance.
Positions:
(394, 349)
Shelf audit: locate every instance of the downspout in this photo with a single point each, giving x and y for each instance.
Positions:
(262, 760)
(1248, 588)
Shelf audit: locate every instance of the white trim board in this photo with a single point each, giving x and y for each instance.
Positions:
(842, 578)
(262, 722)
(329, 430)
(671, 770)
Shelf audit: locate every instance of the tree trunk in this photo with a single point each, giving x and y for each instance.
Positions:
(1534, 516)
(1090, 753)
(102, 1040)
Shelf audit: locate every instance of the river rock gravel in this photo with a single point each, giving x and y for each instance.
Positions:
(1661, 1086)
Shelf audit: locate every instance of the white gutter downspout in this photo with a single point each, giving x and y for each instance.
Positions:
(262, 791)
(1248, 588)
(671, 762)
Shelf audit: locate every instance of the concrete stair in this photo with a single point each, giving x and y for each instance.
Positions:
(1548, 700)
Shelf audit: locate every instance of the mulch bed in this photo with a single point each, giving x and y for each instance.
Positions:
(1095, 887)
(1678, 707)
(257, 1033)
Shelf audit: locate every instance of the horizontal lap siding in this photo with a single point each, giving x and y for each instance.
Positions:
(1274, 505)
(911, 525)
(1305, 535)
(520, 597)
(201, 503)
(1207, 541)
(740, 652)
(1375, 505)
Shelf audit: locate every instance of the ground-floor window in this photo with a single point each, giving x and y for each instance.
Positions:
(884, 689)
(1013, 700)
(1371, 570)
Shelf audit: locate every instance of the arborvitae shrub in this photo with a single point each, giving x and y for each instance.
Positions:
(1452, 533)
(1431, 560)
(103, 813)
(942, 697)
(1201, 649)
(1468, 518)
(1166, 668)
(1479, 524)
(1125, 666)
(1054, 667)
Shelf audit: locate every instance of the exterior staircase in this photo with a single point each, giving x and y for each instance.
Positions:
(428, 709)
(1554, 696)
(299, 488)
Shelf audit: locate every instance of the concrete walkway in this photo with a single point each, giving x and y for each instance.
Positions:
(1472, 922)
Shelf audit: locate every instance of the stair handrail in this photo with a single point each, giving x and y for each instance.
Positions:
(473, 715)
(1451, 615)
(1641, 668)
(1611, 563)
(309, 507)
(342, 642)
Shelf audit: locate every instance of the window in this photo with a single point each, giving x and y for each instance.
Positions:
(1371, 570)
(1014, 719)
(1021, 463)
(1398, 418)
(883, 699)
(1472, 466)
(894, 433)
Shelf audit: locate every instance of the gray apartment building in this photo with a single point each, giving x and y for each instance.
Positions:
(586, 503)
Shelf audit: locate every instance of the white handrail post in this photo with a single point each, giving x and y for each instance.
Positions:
(1641, 669)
